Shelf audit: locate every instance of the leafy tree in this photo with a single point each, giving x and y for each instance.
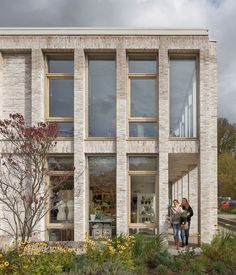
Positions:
(227, 174)
(226, 136)
(226, 158)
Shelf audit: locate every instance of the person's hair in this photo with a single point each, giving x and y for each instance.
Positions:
(176, 201)
(187, 203)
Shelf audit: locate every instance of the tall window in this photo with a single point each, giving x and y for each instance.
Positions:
(102, 196)
(183, 122)
(60, 93)
(142, 186)
(142, 96)
(102, 96)
(60, 219)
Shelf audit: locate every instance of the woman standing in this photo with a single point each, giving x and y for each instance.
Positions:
(175, 221)
(185, 222)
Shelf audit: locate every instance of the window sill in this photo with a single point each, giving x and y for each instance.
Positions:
(142, 139)
(100, 138)
(183, 139)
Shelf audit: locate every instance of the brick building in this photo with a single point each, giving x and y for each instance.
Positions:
(137, 111)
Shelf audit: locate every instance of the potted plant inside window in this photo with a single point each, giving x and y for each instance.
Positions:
(93, 209)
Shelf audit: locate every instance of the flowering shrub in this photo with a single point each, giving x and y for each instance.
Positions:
(36, 258)
(121, 255)
(116, 249)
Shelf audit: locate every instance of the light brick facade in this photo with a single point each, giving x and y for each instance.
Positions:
(189, 164)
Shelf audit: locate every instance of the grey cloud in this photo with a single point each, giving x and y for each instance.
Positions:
(217, 15)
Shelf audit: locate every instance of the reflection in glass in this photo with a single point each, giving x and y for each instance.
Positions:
(183, 97)
(60, 66)
(142, 66)
(61, 163)
(102, 196)
(143, 204)
(60, 235)
(102, 98)
(143, 98)
(65, 129)
(143, 231)
(142, 163)
(143, 129)
(62, 199)
(61, 98)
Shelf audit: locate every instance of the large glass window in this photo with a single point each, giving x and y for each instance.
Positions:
(102, 97)
(183, 97)
(142, 177)
(61, 201)
(143, 96)
(102, 196)
(60, 93)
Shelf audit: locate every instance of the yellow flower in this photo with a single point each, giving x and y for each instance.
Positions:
(6, 263)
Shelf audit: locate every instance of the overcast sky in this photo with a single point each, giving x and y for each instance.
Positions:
(219, 16)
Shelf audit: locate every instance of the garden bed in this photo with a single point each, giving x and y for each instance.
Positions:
(121, 255)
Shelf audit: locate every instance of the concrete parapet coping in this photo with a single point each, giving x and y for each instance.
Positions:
(104, 31)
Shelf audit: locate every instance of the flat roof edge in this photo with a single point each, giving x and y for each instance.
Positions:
(101, 31)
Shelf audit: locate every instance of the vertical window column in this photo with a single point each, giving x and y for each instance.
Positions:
(142, 96)
(102, 196)
(60, 93)
(183, 121)
(142, 201)
(60, 219)
(102, 96)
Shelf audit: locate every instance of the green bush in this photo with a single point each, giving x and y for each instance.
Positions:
(109, 267)
(163, 258)
(233, 211)
(222, 250)
(145, 247)
(162, 269)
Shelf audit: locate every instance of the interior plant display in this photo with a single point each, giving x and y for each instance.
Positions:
(146, 205)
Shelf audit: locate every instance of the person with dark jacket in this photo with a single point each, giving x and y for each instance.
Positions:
(185, 221)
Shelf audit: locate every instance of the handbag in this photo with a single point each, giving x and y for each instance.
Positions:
(184, 226)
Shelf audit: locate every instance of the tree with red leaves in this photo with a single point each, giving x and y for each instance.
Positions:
(23, 192)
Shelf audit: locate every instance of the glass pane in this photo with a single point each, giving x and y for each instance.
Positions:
(60, 66)
(61, 163)
(143, 231)
(183, 98)
(142, 66)
(102, 98)
(60, 235)
(143, 129)
(143, 199)
(61, 98)
(143, 98)
(142, 163)
(65, 129)
(102, 196)
(62, 199)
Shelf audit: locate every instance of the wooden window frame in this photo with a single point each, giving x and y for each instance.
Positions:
(48, 77)
(50, 225)
(141, 56)
(88, 184)
(142, 173)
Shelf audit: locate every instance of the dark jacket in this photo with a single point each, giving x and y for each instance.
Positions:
(190, 213)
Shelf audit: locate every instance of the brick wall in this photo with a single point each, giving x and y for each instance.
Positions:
(22, 90)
